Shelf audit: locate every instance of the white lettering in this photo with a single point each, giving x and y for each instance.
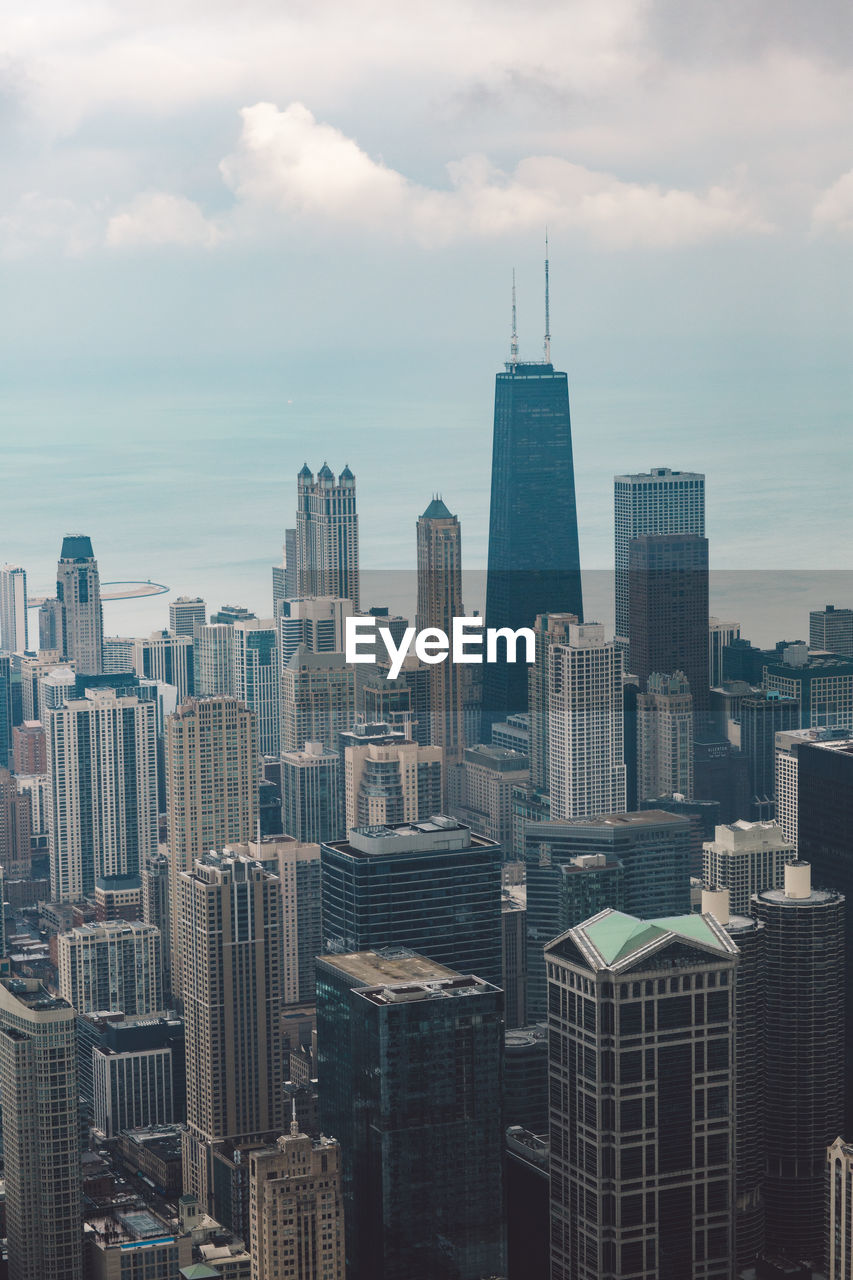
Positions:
(397, 655)
(511, 638)
(461, 638)
(432, 645)
(353, 639)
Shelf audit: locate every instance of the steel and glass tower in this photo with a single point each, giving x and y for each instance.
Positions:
(534, 559)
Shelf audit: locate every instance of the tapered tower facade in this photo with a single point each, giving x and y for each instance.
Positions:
(439, 602)
(534, 558)
(78, 589)
(326, 534)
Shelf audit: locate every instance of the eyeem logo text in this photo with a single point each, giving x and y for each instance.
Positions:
(465, 644)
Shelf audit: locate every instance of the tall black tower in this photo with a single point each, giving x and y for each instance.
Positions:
(534, 558)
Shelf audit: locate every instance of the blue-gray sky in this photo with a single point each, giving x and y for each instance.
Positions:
(291, 227)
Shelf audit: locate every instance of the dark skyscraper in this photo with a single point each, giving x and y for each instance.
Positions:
(534, 559)
(668, 609)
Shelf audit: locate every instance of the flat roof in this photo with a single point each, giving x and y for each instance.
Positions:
(375, 967)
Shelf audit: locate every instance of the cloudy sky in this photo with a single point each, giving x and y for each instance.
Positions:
(303, 216)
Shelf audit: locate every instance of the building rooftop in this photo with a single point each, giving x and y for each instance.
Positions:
(371, 968)
(502, 758)
(76, 546)
(437, 511)
(445, 989)
(614, 940)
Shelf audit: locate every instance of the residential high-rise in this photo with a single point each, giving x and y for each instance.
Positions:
(761, 716)
(550, 629)
(78, 589)
(391, 782)
(296, 1209)
(41, 1133)
(668, 610)
(831, 629)
(410, 1057)
(665, 738)
(297, 866)
(658, 501)
(156, 907)
(318, 622)
(16, 826)
(29, 749)
(102, 767)
(746, 858)
(440, 894)
(13, 609)
(720, 634)
(490, 776)
(653, 849)
(311, 793)
(317, 699)
(211, 785)
(5, 709)
(167, 657)
(117, 654)
(642, 1085)
(326, 534)
(825, 840)
(50, 624)
(230, 911)
(404, 700)
(587, 767)
(255, 679)
(185, 613)
(534, 555)
(284, 574)
(111, 966)
(439, 602)
(804, 1044)
(213, 659)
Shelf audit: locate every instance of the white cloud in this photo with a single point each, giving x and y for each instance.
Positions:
(36, 222)
(288, 162)
(158, 218)
(834, 209)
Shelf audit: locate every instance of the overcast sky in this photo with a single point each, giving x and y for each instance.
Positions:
(327, 198)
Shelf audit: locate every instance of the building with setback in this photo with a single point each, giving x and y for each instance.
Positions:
(230, 910)
(78, 590)
(746, 858)
(641, 1016)
(657, 501)
(410, 1057)
(326, 534)
(296, 1211)
(432, 887)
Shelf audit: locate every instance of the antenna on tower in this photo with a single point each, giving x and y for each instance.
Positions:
(513, 346)
(547, 305)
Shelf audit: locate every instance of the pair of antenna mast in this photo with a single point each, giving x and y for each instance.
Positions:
(513, 346)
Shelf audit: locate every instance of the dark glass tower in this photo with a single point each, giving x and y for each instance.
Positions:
(410, 1057)
(534, 559)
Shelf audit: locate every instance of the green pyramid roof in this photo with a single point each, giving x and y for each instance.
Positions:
(437, 511)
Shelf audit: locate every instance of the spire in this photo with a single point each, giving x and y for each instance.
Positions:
(547, 305)
(294, 1123)
(513, 345)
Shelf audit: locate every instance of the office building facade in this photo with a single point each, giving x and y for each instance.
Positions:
(311, 793)
(641, 1017)
(665, 738)
(668, 610)
(439, 557)
(185, 614)
(414, 1050)
(432, 887)
(831, 630)
(658, 501)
